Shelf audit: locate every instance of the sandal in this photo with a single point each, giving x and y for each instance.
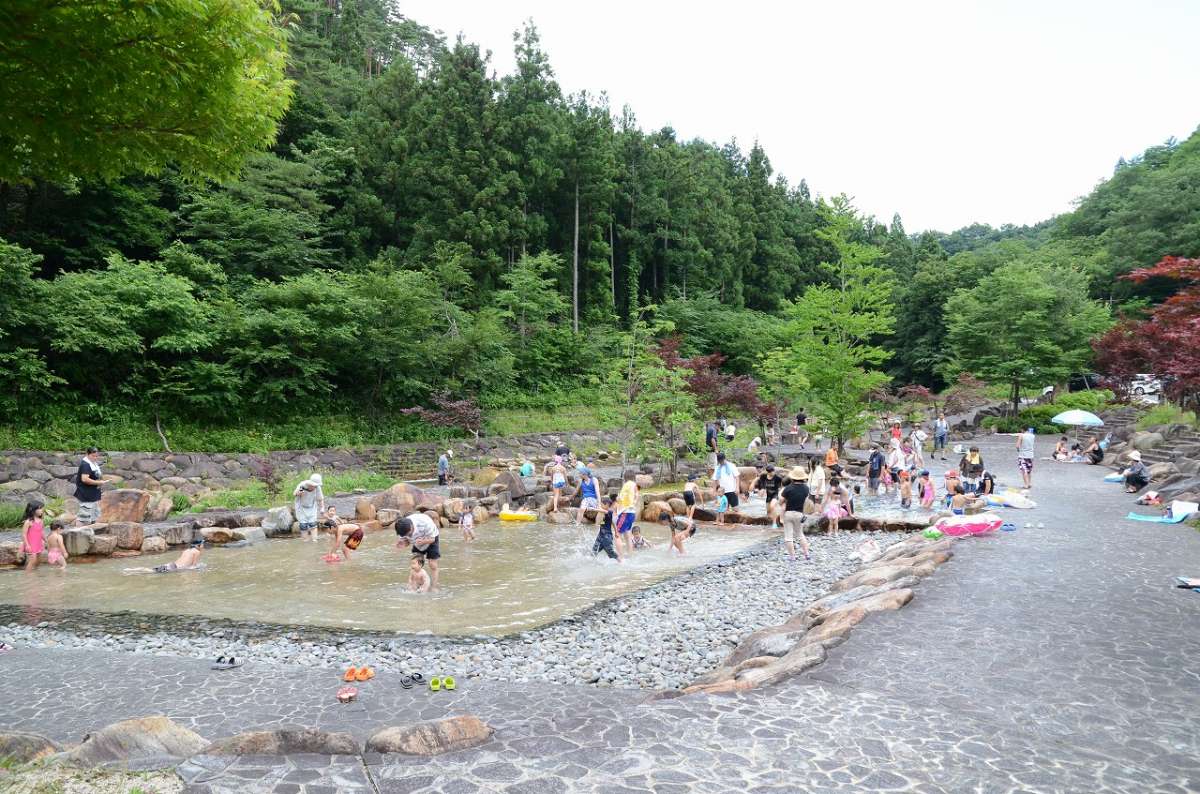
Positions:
(224, 663)
(347, 694)
(448, 683)
(351, 674)
(364, 674)
(417, 677)
(406, 682)
(435, 684)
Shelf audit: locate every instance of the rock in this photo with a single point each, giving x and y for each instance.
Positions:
(746, 477)
(364, 510)
(25, 747)
(401, 496)
(128, 534)
(150, 465)
(124, 504)
(432, 738)
(285, 742)
(124, 553)
(277, 521)
(1161, 471)
(652, 510)
(101, 545)
(10, 554)
(23, 485)
(154, 545)
(1144, 440)
(178, 534)
(484, 477)
(60, 489)
(678, 506)
(451, 508)
(816, 611)
(222, 535)
(365, 526)
(880, 574)
(481, 514)
(79, 541)
(644, 481)
(388, 517)
(773, 641)
(835, 627)
(561, 517)
(141, 740)
(160, 507)
(511, 482)
(704, 514)
(797, 661)
(907, 549)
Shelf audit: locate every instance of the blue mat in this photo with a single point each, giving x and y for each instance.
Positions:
(1156, 519)
(1114, 477)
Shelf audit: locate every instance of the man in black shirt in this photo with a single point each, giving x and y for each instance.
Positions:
(88, 480)
(795, 496)
(874, 469)
(801, 430)
(769, 482)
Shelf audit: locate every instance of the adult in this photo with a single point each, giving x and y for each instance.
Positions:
(589, 494)
(1137, 476)
(941, 432)
(725, 481)
(874, 469)
(710, 436)
(444, 466)
(816, 479)
(420, 532)
(795, 497)
(730, 432)
(770, 483)
(308, 503)
(919, 437)
(1094, 452)
(1025, 453)
(88, 479)
(971, 469)
(801, 429)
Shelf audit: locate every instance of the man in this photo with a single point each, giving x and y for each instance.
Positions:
(421, 533)
(308, 503)
(770, 483)
(188, 560)
(801, 430)
(88, 479)
(941, 431)
(710, 436)
(874, 469)
(444, 466)
(1025, 444)
(725, 481)
(795, 499)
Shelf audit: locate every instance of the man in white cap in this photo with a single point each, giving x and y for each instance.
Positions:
(309, 503)
(444, 466)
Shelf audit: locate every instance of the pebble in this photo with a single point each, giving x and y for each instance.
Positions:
(661, 637)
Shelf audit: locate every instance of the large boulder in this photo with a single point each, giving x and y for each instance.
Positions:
(652, 510)
(277, 521)
(154, 545)
(25, 747)
(511, 482)
(746, 477)
(874, 576)
(432, 738)
(10, 554)
(285, 742)
(102, 545)
(817, 610)
(178, 534)
(23, 485)
(160, 508)
(142, 741)
(644, 480)
(796, 661)
(78, 541)
(678, 506)
(364, 510)
(401, 496)
(388, 517)
(1161, 471)
(124, 504)
(129, 535)
(1144, 440)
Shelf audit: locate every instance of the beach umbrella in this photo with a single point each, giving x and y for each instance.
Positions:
(1078, 418)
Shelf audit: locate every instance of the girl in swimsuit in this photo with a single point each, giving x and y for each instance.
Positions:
(33, 542)
(835, 504)
(56, 551)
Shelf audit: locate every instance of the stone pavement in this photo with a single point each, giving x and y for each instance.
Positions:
(1055, 659)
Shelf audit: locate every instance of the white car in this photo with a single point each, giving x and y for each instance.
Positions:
(1143, 384)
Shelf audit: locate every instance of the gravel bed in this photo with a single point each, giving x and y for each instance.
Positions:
(660, 637)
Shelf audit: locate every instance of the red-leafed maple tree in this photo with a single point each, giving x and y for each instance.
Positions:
(1167, 342)
(713, 389)
(463, 414)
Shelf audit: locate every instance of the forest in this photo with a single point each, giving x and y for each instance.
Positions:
(420, 232)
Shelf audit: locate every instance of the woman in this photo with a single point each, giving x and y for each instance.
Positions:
(1094, 453)
(816, 479)
(1062, 450)
(971, 468)
(1137, 476)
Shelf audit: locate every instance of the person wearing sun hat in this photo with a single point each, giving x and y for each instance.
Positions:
(795, 496)
(308, 503)
(1137, 476)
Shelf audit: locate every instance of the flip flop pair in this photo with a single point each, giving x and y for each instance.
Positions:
(444, 682)
(407, 681)
(227, 663)
(358, 674)
(347, 694)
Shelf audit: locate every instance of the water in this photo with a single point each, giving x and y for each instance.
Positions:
(516, 576)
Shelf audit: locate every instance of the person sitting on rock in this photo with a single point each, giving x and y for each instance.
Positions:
(1137, 476)
(1093, 453)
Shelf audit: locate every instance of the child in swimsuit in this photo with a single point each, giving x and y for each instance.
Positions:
(639, 542)
(689, 494)
(352, 534)
(958, 502)
(926, 488)
(466, 522)
(835, 504)
(33, 542)
(681, 529)
(56, 551)
(905, 489)
(418, 578)
(558, 481)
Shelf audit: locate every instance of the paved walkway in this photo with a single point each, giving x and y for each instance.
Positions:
(1055, 659)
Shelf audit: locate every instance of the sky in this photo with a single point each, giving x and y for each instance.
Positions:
(948, 113)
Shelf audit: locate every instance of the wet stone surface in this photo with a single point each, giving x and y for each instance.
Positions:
(1043, 660)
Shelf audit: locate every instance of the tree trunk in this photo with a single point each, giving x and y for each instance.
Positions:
(1016, 398)
(575, 266)
(612, 265)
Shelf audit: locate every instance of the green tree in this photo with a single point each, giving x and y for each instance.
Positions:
(109, 88)
(831, 351)
(1024, 324)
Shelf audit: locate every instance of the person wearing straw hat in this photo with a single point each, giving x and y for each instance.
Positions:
(1137, 476)
(795, 496)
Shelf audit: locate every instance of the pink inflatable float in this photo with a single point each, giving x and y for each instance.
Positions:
(979, 524)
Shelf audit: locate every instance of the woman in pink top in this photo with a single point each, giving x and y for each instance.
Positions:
(33, 541)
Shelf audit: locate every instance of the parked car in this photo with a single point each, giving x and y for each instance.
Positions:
(1144, 384)
(1084, 382)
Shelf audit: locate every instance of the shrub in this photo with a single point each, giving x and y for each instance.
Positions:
(180, 502)
(1166, 414)
(11, 514)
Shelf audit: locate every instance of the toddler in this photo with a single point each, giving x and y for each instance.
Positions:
(640, 542)
(905, 489)
(56, 551)
(722, 509)
(926, 489)
(418, 578)
(466, 522)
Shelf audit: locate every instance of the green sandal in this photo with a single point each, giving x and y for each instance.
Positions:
(435, 684)
(448, 682)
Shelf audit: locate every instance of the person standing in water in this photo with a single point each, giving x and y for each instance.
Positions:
(604, 532)
(941, 432)
(1025, 453)
(56, 550)
(589, 494)
(628, 501)
(308, 502)
(33, 538)
(725, 481)
(443, 466)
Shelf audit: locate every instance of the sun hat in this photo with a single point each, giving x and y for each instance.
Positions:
(798, 473)
(316, 478)
(1135, 455)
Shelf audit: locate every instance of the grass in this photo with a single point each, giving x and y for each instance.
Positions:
(518, 421)
(41, 777)
(11, 515)
(254, 494)
(1167, 414)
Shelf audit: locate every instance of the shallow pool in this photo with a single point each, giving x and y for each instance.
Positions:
(514, 577)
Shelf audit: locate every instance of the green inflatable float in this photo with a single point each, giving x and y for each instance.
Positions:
(933, 533)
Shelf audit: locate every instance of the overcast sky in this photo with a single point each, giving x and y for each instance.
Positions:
(947, 112)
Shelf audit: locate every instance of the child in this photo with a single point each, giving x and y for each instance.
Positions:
(680, 528)
(604, 536)
(925, 486)
(628, 502)
(56, 551)
(639, 542)
(33, 542)
(958, 502)
(689, 495)
(905, 489)
(722, 509)
(834, 506)
(857, 493)
(558, 481)
(418, 578)
(466, 522)
(352, 532)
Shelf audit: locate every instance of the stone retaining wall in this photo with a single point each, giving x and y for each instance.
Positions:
(31, 474)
